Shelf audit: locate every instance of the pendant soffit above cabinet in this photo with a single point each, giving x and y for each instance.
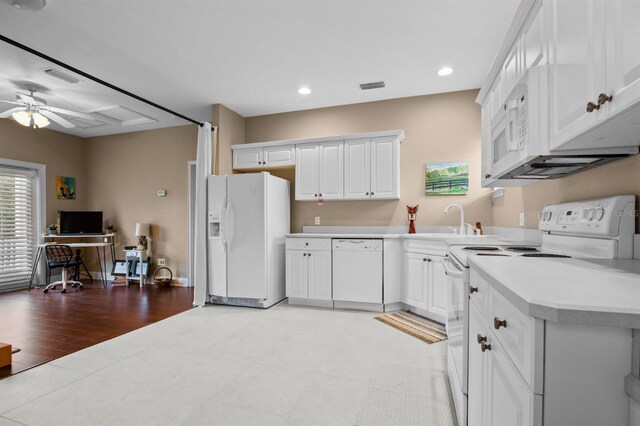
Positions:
(387, 133)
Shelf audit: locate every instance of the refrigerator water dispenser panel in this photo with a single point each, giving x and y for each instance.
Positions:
(214, 225)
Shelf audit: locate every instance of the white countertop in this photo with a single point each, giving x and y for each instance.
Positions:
(584, 291)
(449, 239)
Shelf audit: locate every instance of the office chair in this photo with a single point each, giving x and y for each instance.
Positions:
(81, 265)
(61, 256)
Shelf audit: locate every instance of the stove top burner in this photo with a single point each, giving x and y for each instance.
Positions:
(492, 254)
(522, 249)
(482, 248)
(545, 255)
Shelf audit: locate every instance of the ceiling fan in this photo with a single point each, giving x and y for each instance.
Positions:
(34, 112)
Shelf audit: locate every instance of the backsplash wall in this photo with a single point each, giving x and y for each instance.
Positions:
(443, 127)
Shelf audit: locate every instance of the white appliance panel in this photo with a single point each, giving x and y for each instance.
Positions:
(246, 236)
(357, 270)
(216, 199)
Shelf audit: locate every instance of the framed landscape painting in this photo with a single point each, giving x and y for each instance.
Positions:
(446, 178)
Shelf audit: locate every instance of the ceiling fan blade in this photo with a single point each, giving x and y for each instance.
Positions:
(11, 111)
(67, 112)
(26, 98)
(53, 117)
(10, 102)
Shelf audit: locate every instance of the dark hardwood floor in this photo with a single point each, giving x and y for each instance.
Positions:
(48, 326)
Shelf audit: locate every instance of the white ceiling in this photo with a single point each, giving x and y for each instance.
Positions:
(250, 55)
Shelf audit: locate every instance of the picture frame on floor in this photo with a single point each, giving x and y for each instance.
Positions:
(119, 268)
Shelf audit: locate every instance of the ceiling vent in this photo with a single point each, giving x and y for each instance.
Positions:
(374, 85)
(61, 75)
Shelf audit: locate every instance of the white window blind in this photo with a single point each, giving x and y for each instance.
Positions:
(17, 233)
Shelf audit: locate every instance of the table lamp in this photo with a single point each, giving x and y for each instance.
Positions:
(142, 232)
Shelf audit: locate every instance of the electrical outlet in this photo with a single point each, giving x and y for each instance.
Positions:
(317, 220)
(522, 219)
(161, 262)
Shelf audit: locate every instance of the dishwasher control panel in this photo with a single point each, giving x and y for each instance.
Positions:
(364, 244)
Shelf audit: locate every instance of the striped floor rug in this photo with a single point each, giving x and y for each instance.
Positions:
(415, 325)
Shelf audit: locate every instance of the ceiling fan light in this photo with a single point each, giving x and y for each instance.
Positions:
(40, 120)
(22, 117)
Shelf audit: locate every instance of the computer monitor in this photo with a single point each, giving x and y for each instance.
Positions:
(80, 222)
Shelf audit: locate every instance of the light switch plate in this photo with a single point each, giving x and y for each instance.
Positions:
(317, 221)
(161, 262)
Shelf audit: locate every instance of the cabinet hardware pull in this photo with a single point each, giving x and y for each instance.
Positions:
(473, 289)
(603, 98)
(367, 193)
(487, 176)
(481, 338)
(497, 323)
(592, 107)
(320, 195)
(306, 244)
(424, 259)
(309, 254)
(372, 193)
(315, 195)
(428, 260)
(485, 346)
(304, 254)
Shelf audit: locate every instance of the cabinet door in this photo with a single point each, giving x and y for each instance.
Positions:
(385, 168)
(357, 169)
(247, 158)
(306, 172)
(511, 69)
(414, 280)
(509, 400)
(319, 264)
(477, 370)
(577, 68)
(437, 291)
(533, 41)
(487, 173)
(331, 177)
(623, 54)
(296, 275)
(279, 156)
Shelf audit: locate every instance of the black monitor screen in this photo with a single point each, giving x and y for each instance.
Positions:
(80, 222)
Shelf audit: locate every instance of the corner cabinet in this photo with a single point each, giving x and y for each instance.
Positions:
(372, 169)
(426, 285)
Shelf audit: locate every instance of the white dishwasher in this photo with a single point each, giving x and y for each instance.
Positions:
(357, 270)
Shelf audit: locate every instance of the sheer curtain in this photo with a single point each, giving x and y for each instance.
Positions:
(203, 169)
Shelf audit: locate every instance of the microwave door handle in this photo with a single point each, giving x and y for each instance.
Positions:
(512, 124)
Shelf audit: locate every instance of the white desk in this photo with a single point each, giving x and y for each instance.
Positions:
(101, 262)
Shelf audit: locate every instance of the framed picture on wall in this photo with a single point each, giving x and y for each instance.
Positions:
(446, 178)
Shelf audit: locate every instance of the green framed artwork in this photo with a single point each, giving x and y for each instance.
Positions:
(446, 178)
(65, 188)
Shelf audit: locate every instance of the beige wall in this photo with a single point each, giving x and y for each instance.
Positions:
(125, 172)
(63, 155)
(230, 132)
(444, 127)
(617, 178)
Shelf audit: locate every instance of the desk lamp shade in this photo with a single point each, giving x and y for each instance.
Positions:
(142, 229)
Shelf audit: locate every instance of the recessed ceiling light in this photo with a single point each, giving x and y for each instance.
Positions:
(28, 5)
(304, 90)
(445, 71)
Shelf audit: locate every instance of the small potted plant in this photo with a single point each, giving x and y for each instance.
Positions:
(52, 229)
(111, 229)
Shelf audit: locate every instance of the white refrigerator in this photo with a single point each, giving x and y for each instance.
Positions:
(248, 218)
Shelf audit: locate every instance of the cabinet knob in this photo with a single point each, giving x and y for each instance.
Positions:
(306, 244)
(497, 323)
(481, 338)
(424, 259)
(603, 98)
(367, 193)
(473, 289)
(372, 193)
(428, 260)
(592, 107)
(320, 195)
(485, 346)
(309, 254)
(315, 195)
(487, 176)
(304, 254)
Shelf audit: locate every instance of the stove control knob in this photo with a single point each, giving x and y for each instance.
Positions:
(598, 213)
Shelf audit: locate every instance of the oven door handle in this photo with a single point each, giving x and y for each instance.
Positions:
(450, 271)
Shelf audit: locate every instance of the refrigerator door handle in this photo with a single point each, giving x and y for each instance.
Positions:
(223, 225)
(228, 230)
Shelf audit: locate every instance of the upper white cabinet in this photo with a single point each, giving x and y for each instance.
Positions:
(319, 169)
(577, 67)
(259, 158)
(360, 166)
(372, 169)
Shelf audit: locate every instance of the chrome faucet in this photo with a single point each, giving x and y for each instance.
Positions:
(446, 210)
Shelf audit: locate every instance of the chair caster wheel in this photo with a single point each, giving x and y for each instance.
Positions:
(46, 290)
(64, 290)
(80, 287)
(53, 288)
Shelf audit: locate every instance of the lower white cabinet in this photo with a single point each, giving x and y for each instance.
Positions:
(308, 274)
(425, 285)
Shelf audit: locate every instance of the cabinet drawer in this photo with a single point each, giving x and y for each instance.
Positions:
(308, 244)
(479, 294)
(435, 247)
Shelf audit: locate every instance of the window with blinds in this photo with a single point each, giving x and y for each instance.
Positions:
(17, 233)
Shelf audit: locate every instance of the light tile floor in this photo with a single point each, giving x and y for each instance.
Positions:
(239, 366)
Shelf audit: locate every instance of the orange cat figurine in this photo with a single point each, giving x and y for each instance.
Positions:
(412, 218)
